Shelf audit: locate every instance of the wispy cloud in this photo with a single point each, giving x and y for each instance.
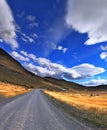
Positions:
(95, 82)
(30, 23)
(88, 16)
(32, 20)
(21, 14)
(7, 25)
(103, 55)
(104, 48)
(55, 26)
(28, 38)
(1, 40)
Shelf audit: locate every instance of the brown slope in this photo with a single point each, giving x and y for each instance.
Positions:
(64, 84)
(8, 62)
(11, 71)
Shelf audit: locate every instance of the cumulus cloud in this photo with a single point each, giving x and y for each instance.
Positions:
(52, 70)
(62, 49)
(95, 82)
(103, 55)
(31, 56)
(59, 71)
(40, 71)
(88, 16)
(19, 57)
(7, 25)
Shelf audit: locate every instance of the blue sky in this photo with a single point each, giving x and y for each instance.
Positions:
(60, 39)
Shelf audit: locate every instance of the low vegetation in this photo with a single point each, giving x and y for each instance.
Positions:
(9, 90)
(88, 105)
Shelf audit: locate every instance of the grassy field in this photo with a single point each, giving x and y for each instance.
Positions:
(89, 105)
(8, 90)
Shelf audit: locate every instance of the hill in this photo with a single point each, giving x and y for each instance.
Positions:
(64, 84)
(11, 71)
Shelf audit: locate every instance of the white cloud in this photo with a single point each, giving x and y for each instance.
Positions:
(7, 25)
(31, 56)
(103, 55)
(40, 71)
(52, 70)
(32, 20)
(59, 71)
(34, 35)
(19, 57)
(88, 16)
(32, 25)
(1, 40)
(62, 49)
(55, 32)
(21, 14)
(88, 70)
(26, 38)
(95, 82)
(104, 48)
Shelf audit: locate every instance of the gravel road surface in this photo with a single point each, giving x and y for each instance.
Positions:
(33, 111)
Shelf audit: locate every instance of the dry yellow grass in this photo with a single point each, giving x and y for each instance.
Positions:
(89, 105)
(9, 90)
(93, 101)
